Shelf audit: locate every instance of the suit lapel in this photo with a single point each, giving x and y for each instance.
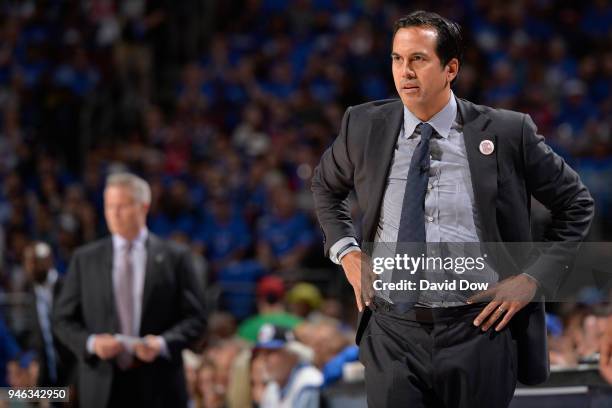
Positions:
(381, 140)
(107, 284)
(483, 168)
(154, 256)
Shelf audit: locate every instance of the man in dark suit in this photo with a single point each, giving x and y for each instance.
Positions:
(130, 304)
(44, 285)
(434, 168)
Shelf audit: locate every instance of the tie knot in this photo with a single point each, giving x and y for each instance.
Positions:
(425, 129)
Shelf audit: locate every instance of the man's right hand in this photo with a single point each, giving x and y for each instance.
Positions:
(352, 263)
(106, 346)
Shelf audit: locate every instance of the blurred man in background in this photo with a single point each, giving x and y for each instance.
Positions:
(56, 362)
(129, 306)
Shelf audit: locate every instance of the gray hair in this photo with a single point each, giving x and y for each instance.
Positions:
(138, 186)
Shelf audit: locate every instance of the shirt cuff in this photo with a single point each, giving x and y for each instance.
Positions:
(90, 344)
(334, 256)
(164, 347)
(533, 279)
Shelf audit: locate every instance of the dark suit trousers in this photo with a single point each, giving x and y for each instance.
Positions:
(134, 388)
(126, 388)
(440, 361)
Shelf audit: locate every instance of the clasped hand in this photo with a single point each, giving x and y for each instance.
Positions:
(505, 299)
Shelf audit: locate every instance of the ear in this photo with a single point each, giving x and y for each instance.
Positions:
(452, 69)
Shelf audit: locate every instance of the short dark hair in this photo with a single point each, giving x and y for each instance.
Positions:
(449, 42)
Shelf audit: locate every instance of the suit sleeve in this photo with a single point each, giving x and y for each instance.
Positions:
(192, 322)
(558, 187)
(331, 184)
(68, 325)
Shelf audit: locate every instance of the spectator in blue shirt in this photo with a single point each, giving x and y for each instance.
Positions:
(225, 236)
(285, 235)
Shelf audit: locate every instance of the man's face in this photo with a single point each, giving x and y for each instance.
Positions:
(125, 216)
(279, 364)
(420, 79)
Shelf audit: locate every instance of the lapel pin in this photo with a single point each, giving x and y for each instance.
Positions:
(486, 147)
(159, 258)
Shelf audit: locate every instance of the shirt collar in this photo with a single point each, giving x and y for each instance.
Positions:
(120, 243)
(442, 121)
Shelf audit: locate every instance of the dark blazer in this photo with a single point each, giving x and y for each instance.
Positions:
(34, 340)
(521, 166)
(171, 307)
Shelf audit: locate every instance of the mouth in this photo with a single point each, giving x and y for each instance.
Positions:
(410, 88)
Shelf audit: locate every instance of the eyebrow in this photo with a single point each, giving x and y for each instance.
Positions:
(423, 54)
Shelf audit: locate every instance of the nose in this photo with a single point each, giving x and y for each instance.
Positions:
(407, 71)
(114, 212)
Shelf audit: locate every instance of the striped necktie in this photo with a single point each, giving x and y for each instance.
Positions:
(411, 236)
(125, 302)
(412, 221)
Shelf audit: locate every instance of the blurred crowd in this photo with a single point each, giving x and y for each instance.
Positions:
(225, 108)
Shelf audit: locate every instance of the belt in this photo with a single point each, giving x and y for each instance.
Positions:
(409, 311)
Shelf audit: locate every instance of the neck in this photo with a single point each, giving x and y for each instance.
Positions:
(131, 235)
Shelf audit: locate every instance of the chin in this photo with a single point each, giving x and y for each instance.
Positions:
(410, 100)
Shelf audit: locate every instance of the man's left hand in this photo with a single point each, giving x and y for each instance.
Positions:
(605, 353)
(505, 299)
(149, 348)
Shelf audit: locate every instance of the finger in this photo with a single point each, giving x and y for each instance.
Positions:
(607, 374)
(495, 316)
(604, 357)
(488, 309)
(368, 290)
(365, 299)
(507, 317)
(358, 300)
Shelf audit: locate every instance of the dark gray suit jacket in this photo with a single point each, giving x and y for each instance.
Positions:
(172, 306)
(521, 166)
